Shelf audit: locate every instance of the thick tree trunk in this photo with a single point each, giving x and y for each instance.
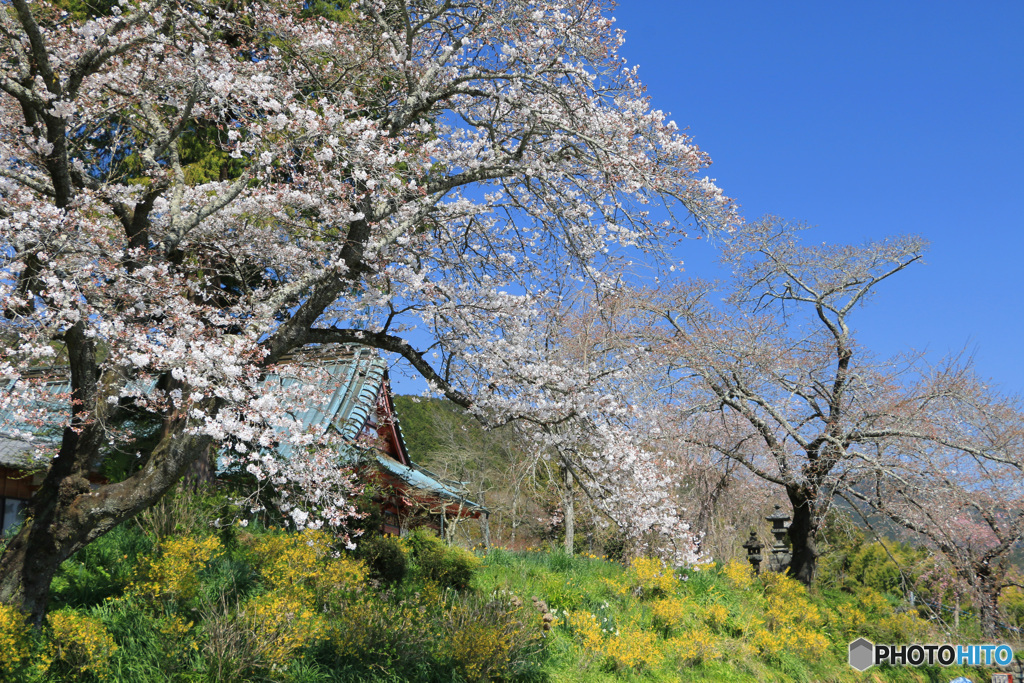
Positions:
(35, 553)
(802, 534)
(65, 515)
(987, 597)
(988, 618)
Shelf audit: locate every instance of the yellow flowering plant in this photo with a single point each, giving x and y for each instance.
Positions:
(79, 644)
(306, 562)
(791, 621)
(652, 577)
(279, 623)
(484, 640)
(15, 640)
(669, 614)
(739, 575)
(694, 645)
(586, 629)
(634, 648)
(174, 575)
(178, 639)
(715, 615)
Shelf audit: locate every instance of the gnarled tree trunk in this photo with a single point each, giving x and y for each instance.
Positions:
(65, 514)
(802, 532)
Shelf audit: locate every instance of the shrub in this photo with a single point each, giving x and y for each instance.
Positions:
(79, 644)
(14, 640)
(715, 615)
(279, 624)
(795, 639)
(264, 634)
(385, 558)
(694, 646)
(586, 629)
(177, 640)
(669, 614)
(791, 620)
(740, 575)
(488, 640)
(448, 566)
(651, 577)
(306, 562)
(478, 651)
(885, 623)
(631, 648)
(175, 574)
(476, 637)
(788, 602)
(634, 649)
(847, 619)
(376, 632)
(420, 539)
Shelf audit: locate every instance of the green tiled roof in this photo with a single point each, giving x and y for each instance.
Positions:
(353, 380)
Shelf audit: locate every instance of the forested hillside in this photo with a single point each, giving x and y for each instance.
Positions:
(496, 468)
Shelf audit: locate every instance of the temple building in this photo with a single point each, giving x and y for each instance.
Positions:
(352, 397)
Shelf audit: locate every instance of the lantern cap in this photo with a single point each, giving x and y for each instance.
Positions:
(752, 544)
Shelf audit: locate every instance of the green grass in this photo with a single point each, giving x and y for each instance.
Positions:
(413, 630)
(587, 584)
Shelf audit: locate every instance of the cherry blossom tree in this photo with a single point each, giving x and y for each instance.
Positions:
(774, 378)
(193, 191)
(956, 483)
(584, 389)
(625, 477)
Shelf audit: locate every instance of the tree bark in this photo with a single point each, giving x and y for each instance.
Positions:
(485, 525)
(569, 510)
(987, 596)
(802, 532)
(65, 514)
(33, 556)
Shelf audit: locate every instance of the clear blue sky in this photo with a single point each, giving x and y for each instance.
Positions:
(866, 119)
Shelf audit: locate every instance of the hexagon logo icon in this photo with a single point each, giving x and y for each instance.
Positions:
(862, 654)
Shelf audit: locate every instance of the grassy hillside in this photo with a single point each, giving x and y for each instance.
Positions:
(237, 604)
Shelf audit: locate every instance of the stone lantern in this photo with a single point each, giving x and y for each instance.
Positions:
(753, 547)
(781, 557)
